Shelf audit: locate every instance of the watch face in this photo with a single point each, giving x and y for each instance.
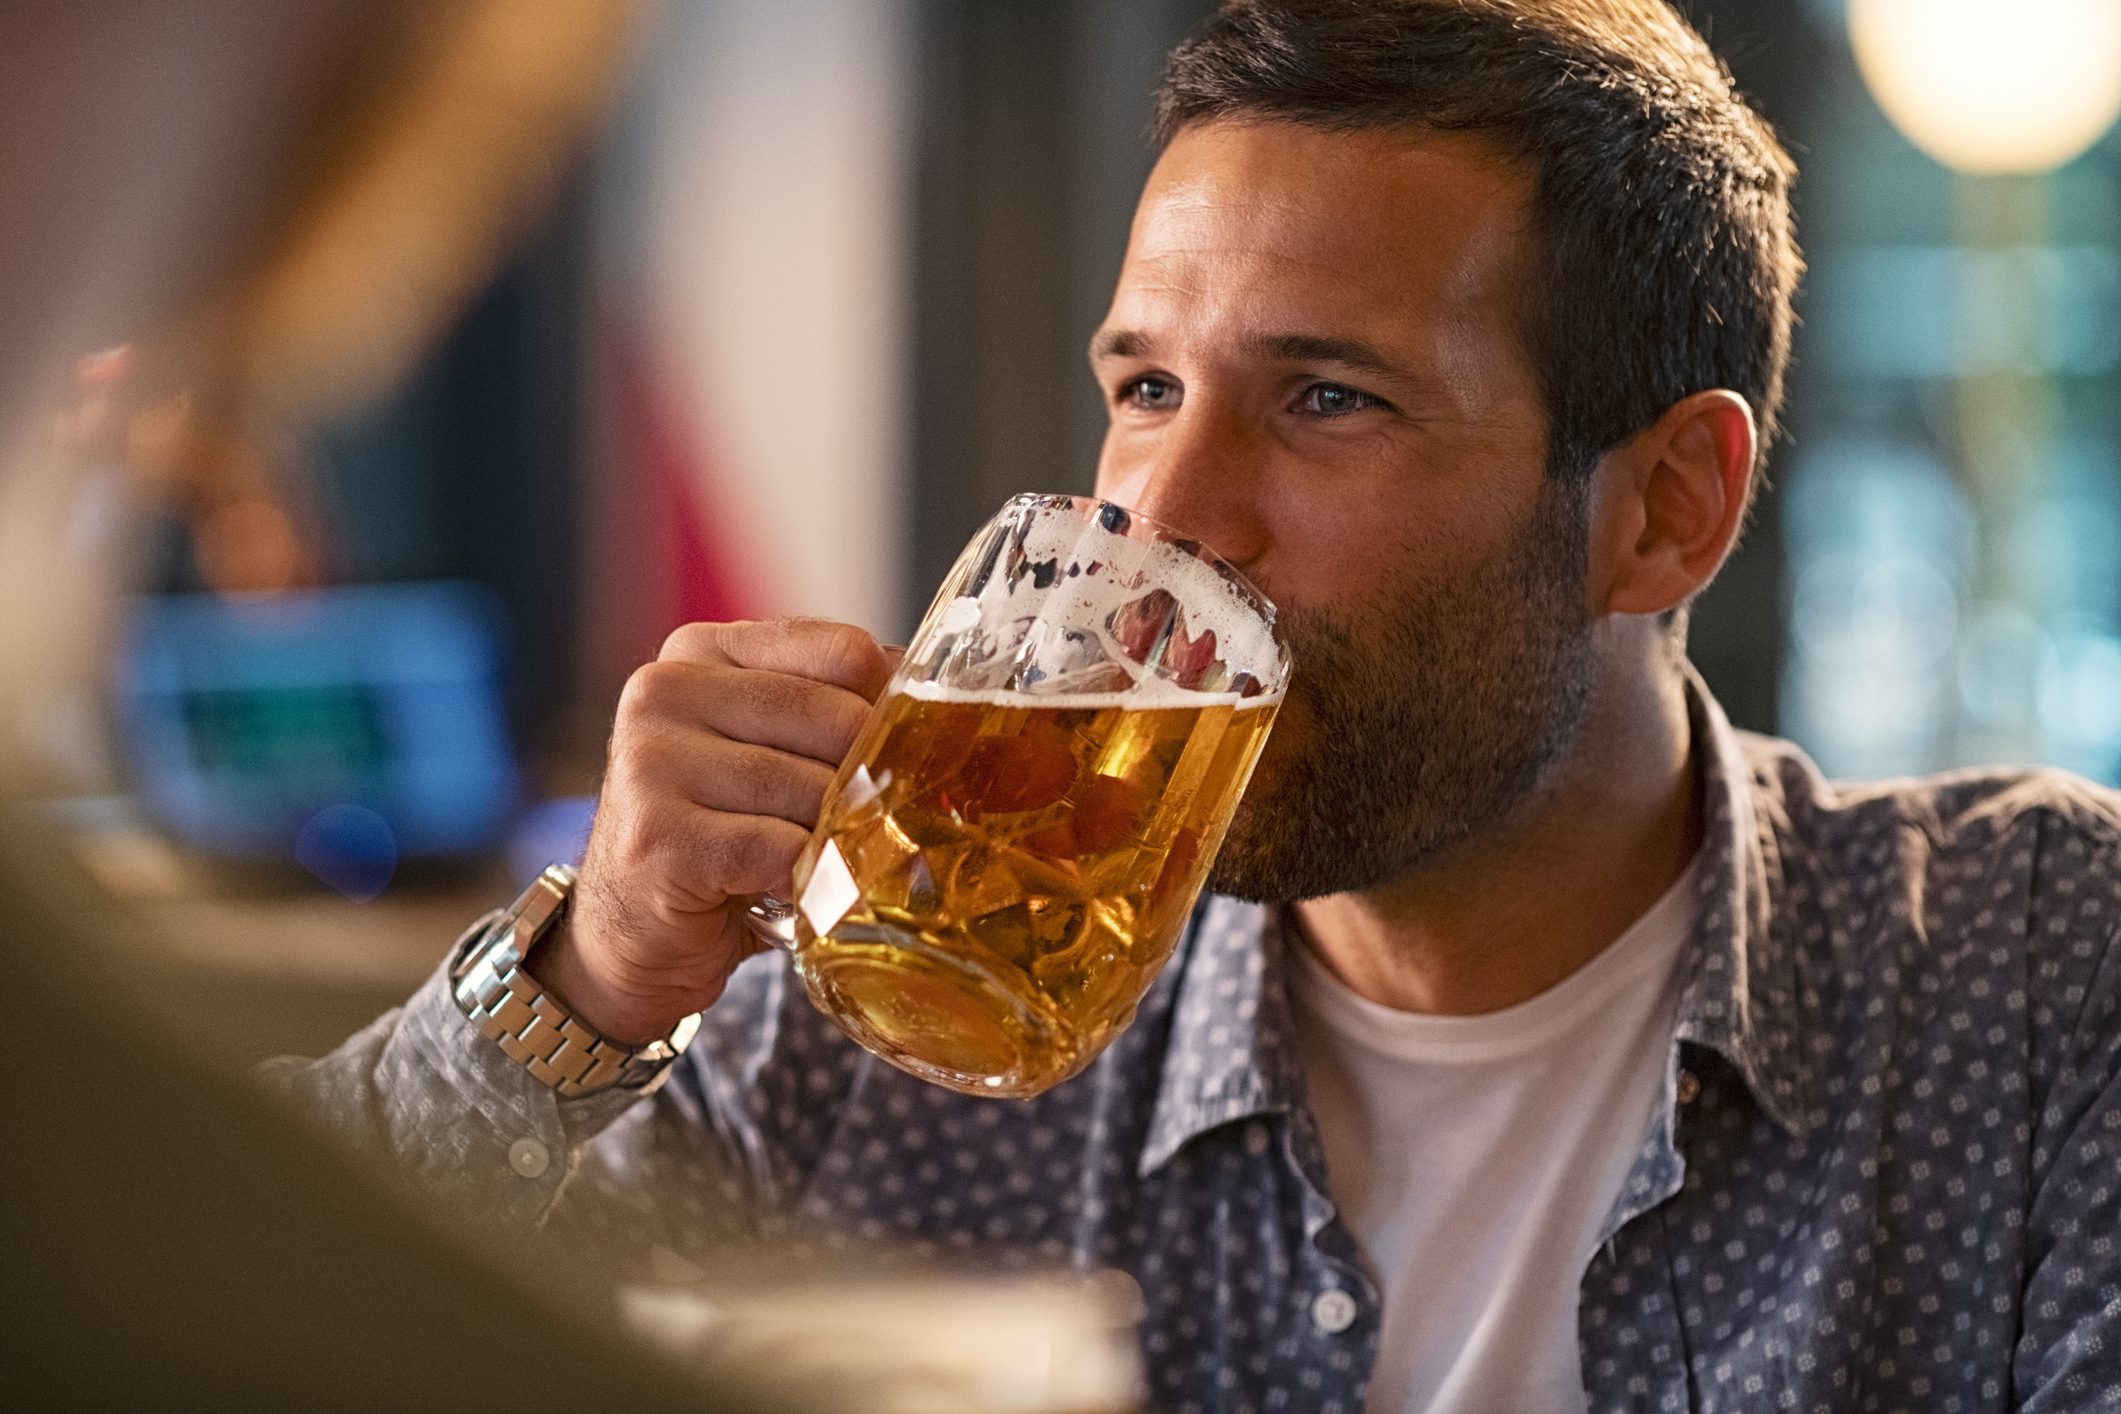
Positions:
(541, 903)
(466, 948)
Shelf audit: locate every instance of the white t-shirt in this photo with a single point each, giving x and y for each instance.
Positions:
(1476, 1157)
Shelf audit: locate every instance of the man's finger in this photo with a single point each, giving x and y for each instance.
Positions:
(733, 777)
(835, 653)
(787, 713)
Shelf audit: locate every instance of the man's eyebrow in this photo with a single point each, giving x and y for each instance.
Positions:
(1118, 343)
(1322, 348)
(1281, 348)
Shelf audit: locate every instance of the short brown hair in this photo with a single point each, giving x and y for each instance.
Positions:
(1667, 256)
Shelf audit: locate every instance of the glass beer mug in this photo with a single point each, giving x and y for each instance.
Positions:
(1010, 852)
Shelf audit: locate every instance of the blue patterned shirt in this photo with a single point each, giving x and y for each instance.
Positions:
(1885, 1174)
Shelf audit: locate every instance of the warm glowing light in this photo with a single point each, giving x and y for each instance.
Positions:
(1993, 86)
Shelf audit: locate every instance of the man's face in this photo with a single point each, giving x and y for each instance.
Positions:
(1314, 363)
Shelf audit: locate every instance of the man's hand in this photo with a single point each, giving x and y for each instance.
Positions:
(721, 754)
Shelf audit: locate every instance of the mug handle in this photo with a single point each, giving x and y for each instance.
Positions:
(771, 921)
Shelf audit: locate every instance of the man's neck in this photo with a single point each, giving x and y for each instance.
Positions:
(1497, 920)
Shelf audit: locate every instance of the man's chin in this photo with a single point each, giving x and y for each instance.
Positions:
(1261, 856)
(1265, 833)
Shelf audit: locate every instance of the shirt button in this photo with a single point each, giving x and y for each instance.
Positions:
(1689, 1087)
(1255, 1138)
(1334, 1311)
(528, 1157)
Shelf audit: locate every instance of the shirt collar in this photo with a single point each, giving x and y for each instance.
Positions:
(1232, 1050)
(1743, 996)
(1232, 1045)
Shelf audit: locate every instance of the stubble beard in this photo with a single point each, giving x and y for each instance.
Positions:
(1420, 722)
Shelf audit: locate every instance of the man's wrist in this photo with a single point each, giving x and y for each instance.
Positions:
(556, 964)
(533, 1024)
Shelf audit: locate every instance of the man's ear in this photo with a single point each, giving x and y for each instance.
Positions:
(1667, 504)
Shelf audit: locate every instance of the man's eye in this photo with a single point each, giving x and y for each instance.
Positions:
(1334, 400)
(1150, 393)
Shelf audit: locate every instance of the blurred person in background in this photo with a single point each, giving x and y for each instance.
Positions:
(1552, 1046)
(185, 175)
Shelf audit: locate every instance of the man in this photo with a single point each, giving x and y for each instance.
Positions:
(1572, 1051)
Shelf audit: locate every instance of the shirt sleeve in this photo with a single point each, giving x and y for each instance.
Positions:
(424, 1090)
(2068, 1359)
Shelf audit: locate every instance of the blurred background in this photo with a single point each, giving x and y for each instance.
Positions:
(811, 300)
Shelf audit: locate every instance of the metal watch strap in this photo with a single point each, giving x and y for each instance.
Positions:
(508, 1006)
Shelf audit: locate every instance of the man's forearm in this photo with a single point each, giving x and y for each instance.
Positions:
(422, 1089)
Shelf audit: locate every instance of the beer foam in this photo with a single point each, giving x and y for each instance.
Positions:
(1244, 639)
(1153, 693)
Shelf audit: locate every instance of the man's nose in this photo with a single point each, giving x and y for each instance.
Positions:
(1202, 478)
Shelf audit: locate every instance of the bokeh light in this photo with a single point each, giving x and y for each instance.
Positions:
(1993, 86)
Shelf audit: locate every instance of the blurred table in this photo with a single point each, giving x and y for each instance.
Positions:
(309, 966)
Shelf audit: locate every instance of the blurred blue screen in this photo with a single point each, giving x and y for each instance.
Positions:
(346, 728)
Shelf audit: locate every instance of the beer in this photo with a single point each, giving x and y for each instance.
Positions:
(999, 876)
(1009, 853)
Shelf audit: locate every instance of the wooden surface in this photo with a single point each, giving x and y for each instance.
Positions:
(310, 966)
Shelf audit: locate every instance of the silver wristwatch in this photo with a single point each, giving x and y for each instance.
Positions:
(530, 1024)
